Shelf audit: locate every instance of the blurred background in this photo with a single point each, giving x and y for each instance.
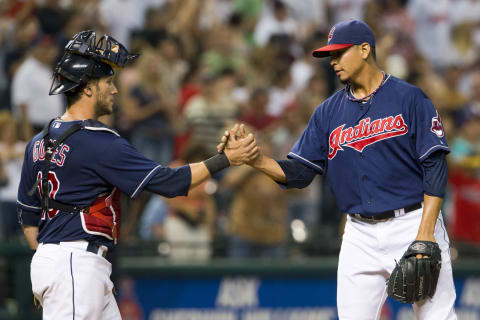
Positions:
(238, 247)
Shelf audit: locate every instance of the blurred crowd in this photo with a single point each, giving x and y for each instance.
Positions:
(206, 64)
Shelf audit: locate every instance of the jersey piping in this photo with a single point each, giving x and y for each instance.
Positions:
(309, 162)
(27, 206)
(93, 232)
(434, 147)
(145, 179)
(102, 129)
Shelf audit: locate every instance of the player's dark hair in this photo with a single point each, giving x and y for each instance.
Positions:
(74, 95)
(373, 53)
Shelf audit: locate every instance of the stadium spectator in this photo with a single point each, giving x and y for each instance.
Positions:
(282, 93)
(149, 109)
(52, 17)
(255, 112)
(258, 213)
(465, 178)
(434, 21)
(172, 68)
(278, 23)
(212, 110)
(342, 10)
(31, 84)
(149, 112)
(123, 16)
(11, 158)
(223, 52)
(190, 223)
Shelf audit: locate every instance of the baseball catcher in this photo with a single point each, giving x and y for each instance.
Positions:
(73, 175)
(415, 279)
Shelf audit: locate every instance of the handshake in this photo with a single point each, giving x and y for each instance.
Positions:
(239, 147)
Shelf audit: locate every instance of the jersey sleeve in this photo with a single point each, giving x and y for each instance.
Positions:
(311, 148)
(126, 168)
(429, 134)
(27, 180)
(298, 175)
(171, 182)
(28, 206)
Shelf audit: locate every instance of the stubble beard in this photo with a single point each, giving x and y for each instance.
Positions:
(102, 106)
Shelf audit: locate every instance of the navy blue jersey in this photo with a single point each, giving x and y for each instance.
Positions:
(371, 152)
(91, 162)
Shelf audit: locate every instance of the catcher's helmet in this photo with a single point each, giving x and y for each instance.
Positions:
(85, 58)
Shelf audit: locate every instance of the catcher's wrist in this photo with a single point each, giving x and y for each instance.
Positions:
(217, 163)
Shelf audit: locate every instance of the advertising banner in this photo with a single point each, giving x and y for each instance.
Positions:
(256, 298)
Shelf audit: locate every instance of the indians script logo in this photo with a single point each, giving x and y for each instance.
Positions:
(437, 126)
(330, 34)
(365, 133)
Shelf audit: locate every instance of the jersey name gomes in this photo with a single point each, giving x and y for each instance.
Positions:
(365, 133)
(58, 156)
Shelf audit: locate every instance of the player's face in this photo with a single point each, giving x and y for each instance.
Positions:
(106, 90)
(347, 63)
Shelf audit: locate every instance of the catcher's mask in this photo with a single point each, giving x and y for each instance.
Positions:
(86, 58)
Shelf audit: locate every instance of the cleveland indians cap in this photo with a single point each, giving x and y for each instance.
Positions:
(346, 34)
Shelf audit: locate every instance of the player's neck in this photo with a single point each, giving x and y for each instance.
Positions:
(80, 110)
(367, 81)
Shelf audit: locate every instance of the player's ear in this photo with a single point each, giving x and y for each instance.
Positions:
(365, 50)
(88, 89)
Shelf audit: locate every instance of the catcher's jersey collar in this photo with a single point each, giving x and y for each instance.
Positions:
(88, 124)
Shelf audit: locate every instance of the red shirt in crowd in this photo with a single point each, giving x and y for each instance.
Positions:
(465, 224)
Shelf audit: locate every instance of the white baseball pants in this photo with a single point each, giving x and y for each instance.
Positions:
(72, 283)
(367, 257)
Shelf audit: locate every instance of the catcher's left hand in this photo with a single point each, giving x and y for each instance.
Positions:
(415, 279)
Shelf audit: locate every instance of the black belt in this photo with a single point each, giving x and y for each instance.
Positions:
(54, 204)
(92, 247)
(387, 214)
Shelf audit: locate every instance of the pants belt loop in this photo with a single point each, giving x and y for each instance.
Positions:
(399, 212)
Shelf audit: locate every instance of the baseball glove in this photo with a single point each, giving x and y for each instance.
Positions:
(416, 279)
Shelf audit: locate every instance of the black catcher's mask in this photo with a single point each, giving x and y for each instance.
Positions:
(86, 58)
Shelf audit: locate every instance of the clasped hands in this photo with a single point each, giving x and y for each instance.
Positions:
(239, 147)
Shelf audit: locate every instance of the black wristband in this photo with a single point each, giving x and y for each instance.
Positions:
(217, 163)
